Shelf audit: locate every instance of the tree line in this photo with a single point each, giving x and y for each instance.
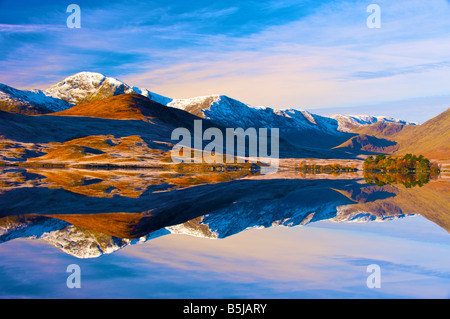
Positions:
(327, 167)
(407, 163)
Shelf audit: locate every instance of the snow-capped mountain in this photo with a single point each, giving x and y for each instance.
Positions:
(89, 86)
(79, 88)
(233, 113)
(301, 133)
(347, 123)
(29, 102)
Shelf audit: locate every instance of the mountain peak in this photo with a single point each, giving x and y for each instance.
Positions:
(85, 74)
(87, 86)
(84, 87)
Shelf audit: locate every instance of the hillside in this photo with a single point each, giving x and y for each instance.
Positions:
(128, 129)
(131, 106)
(380, 129)
(123, 130)
(85, 87)
(308, 135)
(29, 102)
(432, 138)
(97, 98)
(363, 143)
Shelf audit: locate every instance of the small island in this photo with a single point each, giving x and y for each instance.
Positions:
(407, 164)
(409, 170)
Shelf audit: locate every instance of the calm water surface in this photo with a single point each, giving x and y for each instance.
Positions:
(243, 237)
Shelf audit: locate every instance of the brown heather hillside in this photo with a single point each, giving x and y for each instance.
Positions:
(22, 108)
(380, 129)
(432, 138)
(125, 130)
(130, 129)
(121, 107)
(370, 144)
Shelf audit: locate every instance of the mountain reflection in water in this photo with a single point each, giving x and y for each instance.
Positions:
(87, 213)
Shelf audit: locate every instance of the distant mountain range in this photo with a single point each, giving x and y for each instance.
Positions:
(87, 87)
(79, 88)
(95, 96)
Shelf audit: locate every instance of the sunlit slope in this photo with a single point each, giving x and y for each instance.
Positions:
(432, 138)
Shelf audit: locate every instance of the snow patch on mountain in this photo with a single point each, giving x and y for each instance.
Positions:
(348, 122)
(198, 101)
(198, 231)
(12, 96)
(152, 96)
(34, 228)
(346, 215)
(79, 87)
(232, 113)
(86, 86)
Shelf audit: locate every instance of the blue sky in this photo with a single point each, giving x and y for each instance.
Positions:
(300, 54)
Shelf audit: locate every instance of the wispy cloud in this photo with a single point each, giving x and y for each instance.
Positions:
(413, 69)
(13, 28)
(394, 266)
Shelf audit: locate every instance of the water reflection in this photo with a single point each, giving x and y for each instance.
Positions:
(87, 213)
(407, 179)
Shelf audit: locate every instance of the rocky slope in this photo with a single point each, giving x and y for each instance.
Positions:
(29, 102)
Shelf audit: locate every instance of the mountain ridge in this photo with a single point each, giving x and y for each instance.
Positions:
(303, 133)
(86, 87)
(29, 102)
